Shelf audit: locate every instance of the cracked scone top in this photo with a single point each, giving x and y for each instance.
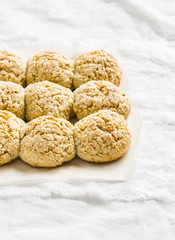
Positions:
(47, 142)
(12, 98)
(51, 66)
(10, 127)
(12, 68)
(102, 137)
(97, 65)
(47, 98)
(97, 95)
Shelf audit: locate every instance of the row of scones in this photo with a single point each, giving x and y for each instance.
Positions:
(48, 141)
(55, 67)
(47, 98)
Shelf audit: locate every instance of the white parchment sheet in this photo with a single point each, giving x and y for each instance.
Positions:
(77, 169)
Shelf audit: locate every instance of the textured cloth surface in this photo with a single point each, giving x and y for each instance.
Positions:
(143, 32)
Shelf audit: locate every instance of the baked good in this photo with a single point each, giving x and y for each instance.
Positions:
(47, 142)
(97, 65)
(12, 98)
(12, 68)
(97, 95)
(47, 98)
(102, 137)
(52, 66)
(10, 127)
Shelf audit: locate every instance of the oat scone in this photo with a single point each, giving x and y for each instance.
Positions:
(47, 98)
(10, 127)
(51, 66)
(47, 142)
(102, 137)
(12, 98)
(12, 68)
(97, 95)
(97, 65)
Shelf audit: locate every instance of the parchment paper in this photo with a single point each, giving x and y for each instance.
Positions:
(77, 169)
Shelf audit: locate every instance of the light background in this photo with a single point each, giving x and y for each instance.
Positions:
(143, 32)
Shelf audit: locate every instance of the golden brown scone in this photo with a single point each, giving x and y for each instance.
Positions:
(97, 65)
(102, 137)
(10, 127)
(47, 98)
(47, 142)
(97, 95)
(12, 68)
(12, 98)
(51, 66)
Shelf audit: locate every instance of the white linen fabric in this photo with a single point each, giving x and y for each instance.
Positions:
(143, 32)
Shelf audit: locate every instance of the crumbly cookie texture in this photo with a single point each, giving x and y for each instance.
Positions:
(97, 65)
(10, 127)
(47, 98)
(12, 98)
(102, 137)
(51, 66)
(12, 68)
(47, 142)
(97, 95)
